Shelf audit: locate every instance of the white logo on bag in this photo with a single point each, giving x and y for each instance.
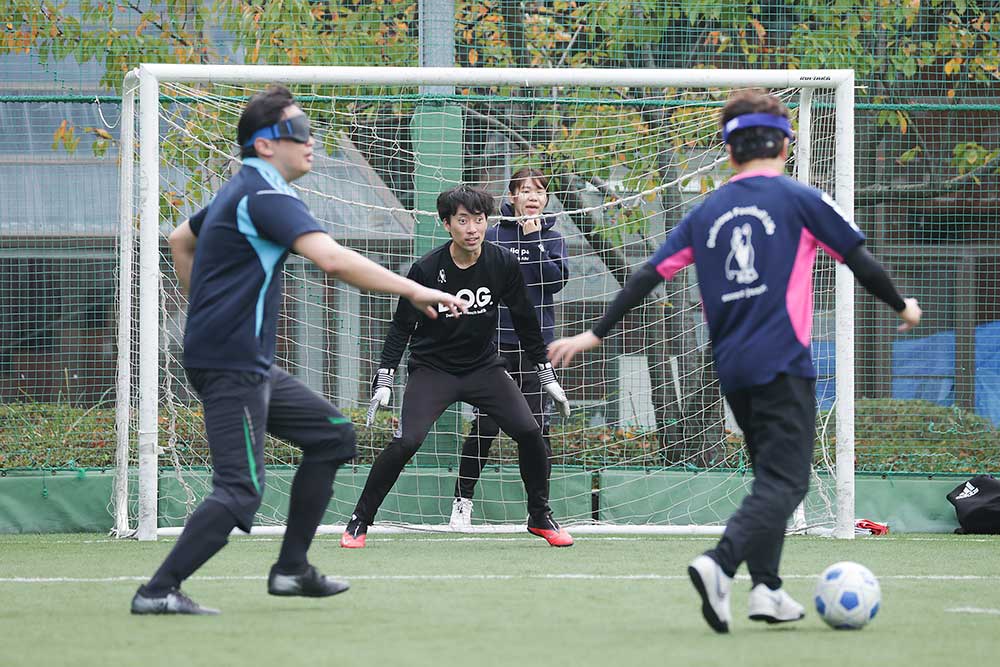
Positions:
(739, 262)
(967, 492)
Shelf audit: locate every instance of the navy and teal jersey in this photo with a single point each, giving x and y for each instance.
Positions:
(753, 243)
(244, 236)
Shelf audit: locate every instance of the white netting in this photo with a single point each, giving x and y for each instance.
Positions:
(649, 442)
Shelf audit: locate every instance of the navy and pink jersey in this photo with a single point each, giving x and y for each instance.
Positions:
(753, 243)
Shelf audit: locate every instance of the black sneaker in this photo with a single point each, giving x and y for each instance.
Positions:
(354, 535)
(174, 602)
(309, 584)
(545, 526)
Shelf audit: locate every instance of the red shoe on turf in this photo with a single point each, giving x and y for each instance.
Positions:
(354, 536)
(547, 527)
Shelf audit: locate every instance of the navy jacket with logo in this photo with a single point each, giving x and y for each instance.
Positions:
(542, 256)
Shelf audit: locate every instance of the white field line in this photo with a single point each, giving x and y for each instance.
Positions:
(328, 539)
(896, 539)
(485, 577)
(973, 610)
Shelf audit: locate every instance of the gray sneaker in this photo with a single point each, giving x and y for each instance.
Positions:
(174, 602)
(310, 584)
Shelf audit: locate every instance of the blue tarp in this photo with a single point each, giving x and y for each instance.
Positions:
(924, 368)
(824, 358)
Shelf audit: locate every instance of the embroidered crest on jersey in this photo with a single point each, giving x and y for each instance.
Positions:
(441, 277)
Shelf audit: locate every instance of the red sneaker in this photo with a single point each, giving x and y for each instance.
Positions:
(354, 536)
(547, 527)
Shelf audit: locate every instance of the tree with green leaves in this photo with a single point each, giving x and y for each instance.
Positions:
(930, 52)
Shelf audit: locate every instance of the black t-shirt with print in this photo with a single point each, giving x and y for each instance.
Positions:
(467, 343)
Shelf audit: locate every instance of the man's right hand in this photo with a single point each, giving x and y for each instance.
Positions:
(910, 315)
(562, 351)
(426, 300)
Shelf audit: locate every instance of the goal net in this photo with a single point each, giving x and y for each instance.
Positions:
(649, 445)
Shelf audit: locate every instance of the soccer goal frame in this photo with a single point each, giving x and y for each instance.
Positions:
(139, 404)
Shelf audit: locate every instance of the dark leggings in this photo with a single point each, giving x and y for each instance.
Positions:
(428, 394)
(476, 448)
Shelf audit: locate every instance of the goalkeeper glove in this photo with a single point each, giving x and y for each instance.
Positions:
(381, 392)
(547, 376)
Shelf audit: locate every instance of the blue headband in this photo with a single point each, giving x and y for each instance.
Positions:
(757, 120)
(295, 128)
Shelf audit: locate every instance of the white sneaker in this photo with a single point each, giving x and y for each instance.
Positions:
(774, 606)
(461, 515)
(714, 587)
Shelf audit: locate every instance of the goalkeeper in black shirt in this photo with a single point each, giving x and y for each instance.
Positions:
(455, 359)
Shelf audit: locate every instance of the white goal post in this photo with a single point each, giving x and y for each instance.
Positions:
(825, 136)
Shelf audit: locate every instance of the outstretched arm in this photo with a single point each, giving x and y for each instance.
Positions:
(355, 269)
(525, 321)
(642, 282)
(844, 241)
(403, 323)
(874, 278)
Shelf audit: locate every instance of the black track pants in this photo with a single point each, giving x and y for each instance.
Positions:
(778, 420)
(428, 394)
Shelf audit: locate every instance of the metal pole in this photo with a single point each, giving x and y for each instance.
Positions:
(126, 250)
(149, 287)
(844, 193)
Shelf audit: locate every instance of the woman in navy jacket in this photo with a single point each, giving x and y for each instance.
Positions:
(540, 250)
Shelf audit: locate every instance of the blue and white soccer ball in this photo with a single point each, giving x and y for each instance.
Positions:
(847, 596)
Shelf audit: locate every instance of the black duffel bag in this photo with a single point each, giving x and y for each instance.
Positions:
(977, 504)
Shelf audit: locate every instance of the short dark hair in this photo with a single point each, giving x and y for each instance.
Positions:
(263, 110)
(527, 174)
(754, 143)
(473, 199)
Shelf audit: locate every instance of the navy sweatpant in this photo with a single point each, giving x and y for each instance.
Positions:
(240, 407)
(778, 420)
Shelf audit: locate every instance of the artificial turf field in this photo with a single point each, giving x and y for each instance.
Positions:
(489, 600)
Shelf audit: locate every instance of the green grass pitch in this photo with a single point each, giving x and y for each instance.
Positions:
(489, 600)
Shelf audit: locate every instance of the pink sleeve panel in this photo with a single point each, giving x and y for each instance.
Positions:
(671, 265)
(799, 297)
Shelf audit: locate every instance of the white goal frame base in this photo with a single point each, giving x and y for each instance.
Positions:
(508, 529)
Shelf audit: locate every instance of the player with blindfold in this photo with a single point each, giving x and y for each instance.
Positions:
(229, 258)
